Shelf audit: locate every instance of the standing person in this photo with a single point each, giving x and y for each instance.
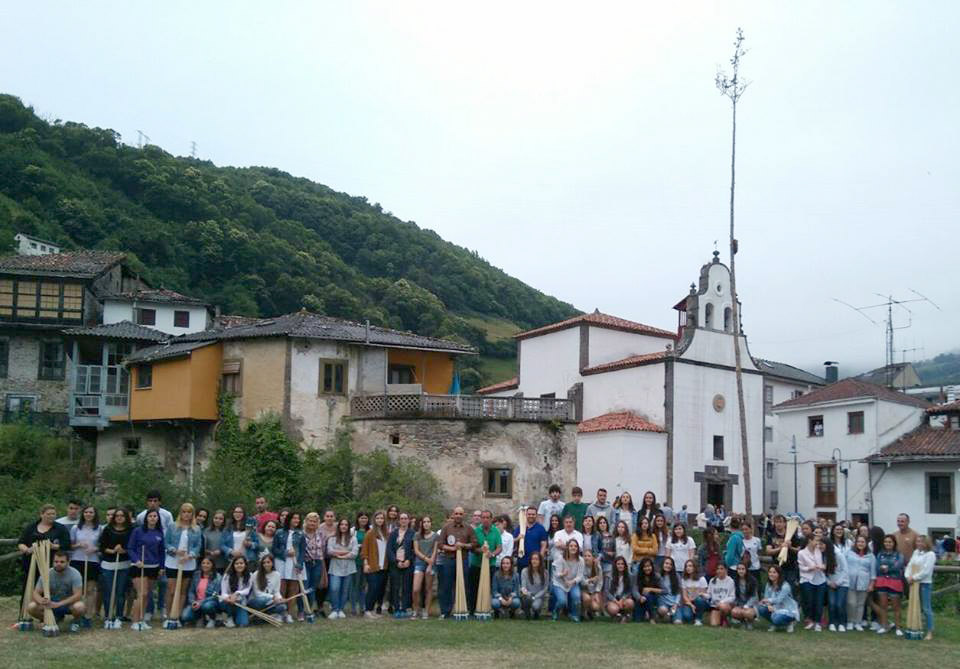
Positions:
(751, 547)
(314, 563)
(358, 587)
(182, 543)
(425, 550)
(681, 547)
(202, 594)
(533, 584)
(46, 528)
(241, 538)
(671, 591)
(619, 591)
(646, 588)
(266, 539)
(838, 536)
(889, 584)
(838, 583)
(662, 532)
(213, 540)
(643, 543)
(342, 549)
(289, 556)
(624, 510)
(154, 502)
(145, 548)
(813, 582)
(667, 512)
(733, 552)
(605, 546)
(400, 557)
(601, 507)
(778, 605)
(374, 554)
(552, 506)
(565, 584)
(327, 529)
(488, 546)
(265, 595)
(263, 514)
(114, 560)
(590, 538)
(66, 593)
(84, 537)
(623, 544)
(505, 590)
(745, 601)
(576, 508)
(393, 515)
(74, 506)
(591, 589)
(648, 507)
(505, 528)
(534, 539)
(235, 588)
(920, 570)
(563, 536)
(775, 541)
(454, 534)
(721, 596)
(862, 572)
(708, 555)
(694, 594)
(906, 537)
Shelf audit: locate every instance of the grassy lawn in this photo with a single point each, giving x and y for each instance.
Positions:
(499, 369)
(392, 643)
(496, 328)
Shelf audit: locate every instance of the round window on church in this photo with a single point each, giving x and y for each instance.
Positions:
(719, 289)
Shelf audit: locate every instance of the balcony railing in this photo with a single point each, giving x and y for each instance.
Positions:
(99, 391)
(534, 409)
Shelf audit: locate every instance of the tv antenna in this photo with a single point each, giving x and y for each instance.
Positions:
(889, 325)
(193, 149)
(142, 139)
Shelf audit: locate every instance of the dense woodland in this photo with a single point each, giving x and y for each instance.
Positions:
(256, 241)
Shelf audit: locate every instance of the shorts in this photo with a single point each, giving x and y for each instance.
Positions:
(60, 612)
(889, 592)
(419, 566)
(93, 569)
(148, 572)
(185, 575)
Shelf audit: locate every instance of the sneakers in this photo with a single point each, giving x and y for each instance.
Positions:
(211, 624)
(424, 615)
(808, 626)
(74, 628)
(698, 623)
(832, 628)
(817, 628)
(288, 619)
(771, 629)
(841, 628)
(677, 622)
(858, 627)
(230, 624)
(899, 631)
(790, 628)
(874, 626)
(881, 630)
(370, 615)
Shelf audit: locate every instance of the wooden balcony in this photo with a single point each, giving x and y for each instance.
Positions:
(533, 409)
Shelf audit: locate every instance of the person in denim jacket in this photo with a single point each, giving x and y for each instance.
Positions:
(778, 605)
(289, 551)
(181, 541)
(889, 585)
(862, 573)
(506, 589)
(202, 603)
(241, 538)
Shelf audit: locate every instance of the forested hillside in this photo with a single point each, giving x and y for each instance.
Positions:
(256, 241)
(942, 370)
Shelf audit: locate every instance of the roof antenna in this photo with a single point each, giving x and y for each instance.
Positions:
(367, 338)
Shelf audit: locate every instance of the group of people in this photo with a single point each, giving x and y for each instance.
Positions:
(583, 561)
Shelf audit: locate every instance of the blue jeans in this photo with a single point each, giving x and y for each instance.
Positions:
(208, 607)
(688, 615)
(813, 596)
(357, 590)
(776, 619)
(837, 605)
(261, 602)
(313, 579)
(566, 600)
(106, 586)
(647, 609)
(376, 584)
(339, 591)
(497, 604)
(446, 584)
(240, 617)
(926, 604)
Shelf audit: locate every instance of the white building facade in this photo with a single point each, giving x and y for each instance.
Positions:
(160, 309)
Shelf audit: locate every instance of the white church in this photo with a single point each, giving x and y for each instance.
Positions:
(658, 409)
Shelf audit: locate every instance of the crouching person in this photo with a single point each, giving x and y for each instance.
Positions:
(202, 605)
(266, 591)
(533, 586)
(778, 605)
(66, 593)
(235, 587)
(506, 589)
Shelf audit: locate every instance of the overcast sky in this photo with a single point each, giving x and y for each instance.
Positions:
(582, 148)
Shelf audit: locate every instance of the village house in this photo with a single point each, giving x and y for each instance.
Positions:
(658, 408)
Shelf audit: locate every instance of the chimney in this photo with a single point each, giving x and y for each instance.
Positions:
(832, 371)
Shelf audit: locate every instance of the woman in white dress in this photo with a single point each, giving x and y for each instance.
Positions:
(289, 548)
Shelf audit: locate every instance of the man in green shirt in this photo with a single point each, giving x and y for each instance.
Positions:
(577, 509)
(488, 536)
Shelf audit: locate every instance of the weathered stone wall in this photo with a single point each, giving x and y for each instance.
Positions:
(22, 371)
(458, 451)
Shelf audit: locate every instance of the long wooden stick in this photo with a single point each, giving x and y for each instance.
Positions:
(303, 593)
(143, 580)
(176, 592)
(31, 583)
(48, 618)
(259, 614)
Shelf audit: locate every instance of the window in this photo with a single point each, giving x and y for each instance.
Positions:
(146, 316)
(498, 481)
(395, 438)
(19, 403)
(404, 374)
(728, 320)
(4, 357)
(144, 376)
(826, 482)
(52, 361)
(768, 399)
(768, 434)
(117, 351)
(47, 300)
(548, 396)
(774, 499)
(708, 316)
(795, 394)
(815, 426)
(769, 470)
(181, 319)
(131, 446)
(718, 447)
(854, 422)
(333, 377)
(939, 493)
(938, 533)
(231, 381)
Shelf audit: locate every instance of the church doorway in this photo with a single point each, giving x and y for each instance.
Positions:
(716, 493)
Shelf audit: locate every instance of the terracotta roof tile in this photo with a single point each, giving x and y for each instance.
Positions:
(82, 264)
(599, 320)
(509, 384)
(949, 407)
(625, 363)
(923, 442)
(849, 389)
(624, 420)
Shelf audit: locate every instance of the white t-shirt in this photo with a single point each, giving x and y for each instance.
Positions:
(547, 509)
(752, 546)
(681, 552)
(171, 561)
(238, 539)
(694, 586)
(506, 541)
(564, 537)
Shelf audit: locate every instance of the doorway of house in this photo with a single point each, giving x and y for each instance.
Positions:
(716, 493)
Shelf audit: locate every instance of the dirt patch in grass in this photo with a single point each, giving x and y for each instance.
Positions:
(484, 659)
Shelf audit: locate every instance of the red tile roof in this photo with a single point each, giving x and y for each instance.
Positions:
(624, 420)
(949, 407)
(509, 384)
(602, 321)
(81, 264)
(849, 389)
(922, 443)
(625, 363)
